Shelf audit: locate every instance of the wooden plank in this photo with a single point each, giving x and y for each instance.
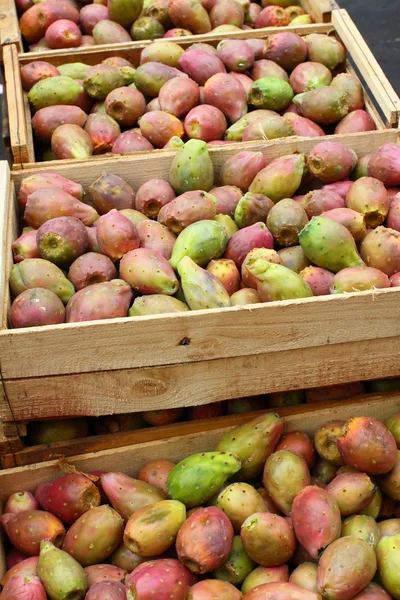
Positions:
(319, 10)
(130, 459)
(365, 61)
(9, 26)
(197, 383)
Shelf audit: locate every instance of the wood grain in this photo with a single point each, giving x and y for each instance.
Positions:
(9, 27)
(319, 10)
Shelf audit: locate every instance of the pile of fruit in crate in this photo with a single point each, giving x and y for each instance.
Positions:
(250, 520)
(57, 24)
(243, 90)
(210, 247)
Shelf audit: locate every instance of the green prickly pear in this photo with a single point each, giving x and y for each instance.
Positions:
(388, 553)
(329, 245)
(270, 93)
(192, 168)
(195, 479)
(37, 273)
(228, 223)
(253, 443)
(201, 289)
(276, 282)
(124, 12)
(61, 575)
(362, 527)
(281, 467)
(54, 91)
(281, 178)
(238, 564)
(201, 241)
(156, 304)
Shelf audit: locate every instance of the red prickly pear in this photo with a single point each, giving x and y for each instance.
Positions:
(27, 529)
(126, 105)
(281, 178)
(350, 85)
(336, 578)
(227, 197)
(131, 141)
(227, 272)
(359, 279)
(35, 307)
(92, 14)
(62, 240)
(262, 575)
(107, 300)
(225, 12)
(367, 444)
(280, 591)
(305, 576)
(110, 191)
(395, 280)
(299, 443)
(237, 55)
(63, 34)
(159, 127)
(189, 14)
(340, 187)
(92, 237)
(352, 220)
(321, 201)
(330, 161)
(124, 559)
(226, 93)
(87, 40)
(285, 220)
(325, 105)
(318, 532)
(156, 474)
(186, 209)
(213, 588)
(91, 268)
(148, 272)
(214, 538)
(369, 197)
(352, 491)
(116, 235)
(102, 527)
(152, 196)
(326, 50)
(373, 591)
(103, 132)
(355, 122)
(179, 95)
(23, 587)
(48, 119)
(240, 244)
(252, 14)
(241, 169)
(381, 250)
(302, 126)
(268, 539)
(104, 573)
(278, 467)
(200, 65)
(46, 204)
(266, 254)
(39, 273)
(272, 16)
(319, 280)
(126, 494)
(285, 48)
(245, 296)
(32, 184)
(156, 237)
(14, 557)
(159, 579)
(384, 164)
(309, 76)
(393, 216)
(245, 80)
(39, 17)
(68, 497)
(20, 502)
(25, 246)
(107, 590)
(35, 71)
(177, 32)
(26, 568)
(205, 122)
(71, 141)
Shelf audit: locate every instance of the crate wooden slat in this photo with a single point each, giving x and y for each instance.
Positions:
(142, 363)
(9, 28)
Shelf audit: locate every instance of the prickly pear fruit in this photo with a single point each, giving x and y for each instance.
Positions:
(281, 178)
(362, 527)
(237, 566)
(26, 568)
(241, 169)
(253, 443)
(62, 240)
(46, 204)
(61, 575)
(352, 492)
(353, 221)
(27, 529)
(107, 590)
(131, 141)
(159, 127)
(103, 132)
(214, 538)
(116, 235)
(40, 273)
(151, 76)
(205, 123)
(207, 472)
(156, 473)
(262, 575)
(20, 502)
(245, 296)
(36, 71)
(35, 307)
(126, 105)
(154, 236)
(101, 79)
(373, 591)
(309, 76)
(325, 440)
(124, 559)
(201, 241)
(226, 15)
(164, 51)
(367, 444)
(319, 280)
(302, 126)
(270, 93)
(268, 539)
(350, 85)
(281, 466)
(123, 12)
(355, 122)
(369, 197)
(380, 249)
(277, 282)
(387, 555)
(110, 191)
(108, 300)
(190, 14)
(280, 591)
(128, 495)
(226, 93)
(103, 573)
(299, 443)
(237, 55)
(191, 168)
(359, 279)
(178, 96)
(305, 576)
(239, 501)
(148, 272)
(47, 119)
(227, 272)
(63, 34)
(48, 180)
(227, 197)
(213, 588)
(320, 531)
(384, 164)
(331, 161)
(317, 202)
(287, 49)
(71, 141)
(91, 268)
(270, 128)
(336, 578)
(24, 587)
(325, 105)
(161, 578)
(54, 91)
(252, 209)
(240, 244)
(285, 221)
(268, 68)
(329, 245)
(186, 209)
(265, 253)
(326, 50)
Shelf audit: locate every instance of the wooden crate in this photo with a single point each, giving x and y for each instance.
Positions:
(9, 28)
(381, 100)
(186, 359)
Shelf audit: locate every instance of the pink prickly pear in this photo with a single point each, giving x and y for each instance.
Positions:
(340, 187)
(107, 590)
(71, 141)
(331, 161)
(302, 126)
(179, 95)
(325, 526)
(148, 272)
(35, 307)
(23, 587)
(205, 122)
(126, 494)
(320, 201)
(20, 502)
(103, 132)
(351, 86)
(156, 237)
(325, 105)
(47, 203)
(27, 529)
(33, 183)
(393, 216)
(237, 55)
(240, 244)
(359, 279)
(123, 558)
(108, 300)
(240, 169)
(381, 250)
(369, 197)
(200, 65)
(280, 591)
(68, 497)
(125, 105)
(227, 197)
(116, 235)
(384, 164)
(159, 579)
(351, 219)
(355, 122)
(226, 93)
(156, 474)
(47, 119)
(26, 567)
(110, 191)
(152, 196)
(309, 76)
(285, 48)
(131, 141)
(91, 268)
(186, 209)
(214, 588)
(35, 71)
(25, 246)
(319, 280)
(62, 240)
(104, 573)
